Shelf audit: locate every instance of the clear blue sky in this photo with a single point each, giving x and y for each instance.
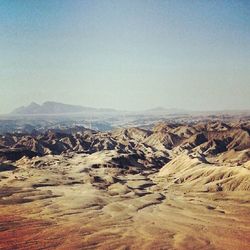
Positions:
(125, 54)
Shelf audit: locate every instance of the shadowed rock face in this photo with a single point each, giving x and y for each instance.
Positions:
(213, 138)
(6, 167)
(15, 154)
(176, 186)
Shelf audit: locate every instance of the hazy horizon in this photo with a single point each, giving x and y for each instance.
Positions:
(136, 110)
(126, 55)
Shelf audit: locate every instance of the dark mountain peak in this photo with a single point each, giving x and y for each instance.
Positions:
(56, 108)
(34, 104)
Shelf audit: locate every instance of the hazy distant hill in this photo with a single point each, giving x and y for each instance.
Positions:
(54, 108)
(162, 110)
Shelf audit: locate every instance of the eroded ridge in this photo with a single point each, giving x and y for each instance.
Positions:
(174, 186)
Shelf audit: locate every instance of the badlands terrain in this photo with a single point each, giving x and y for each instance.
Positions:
(170, 186)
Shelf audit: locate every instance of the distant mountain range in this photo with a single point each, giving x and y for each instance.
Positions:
(61, 109)
(163, 110)
(55, 108)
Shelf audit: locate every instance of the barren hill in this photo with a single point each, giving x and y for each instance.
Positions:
(175, 186)
(55, 108)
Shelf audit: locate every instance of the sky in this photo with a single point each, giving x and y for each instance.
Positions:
(125, 54)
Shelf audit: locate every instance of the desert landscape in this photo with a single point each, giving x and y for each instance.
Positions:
(174, 186)
(124, 125)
